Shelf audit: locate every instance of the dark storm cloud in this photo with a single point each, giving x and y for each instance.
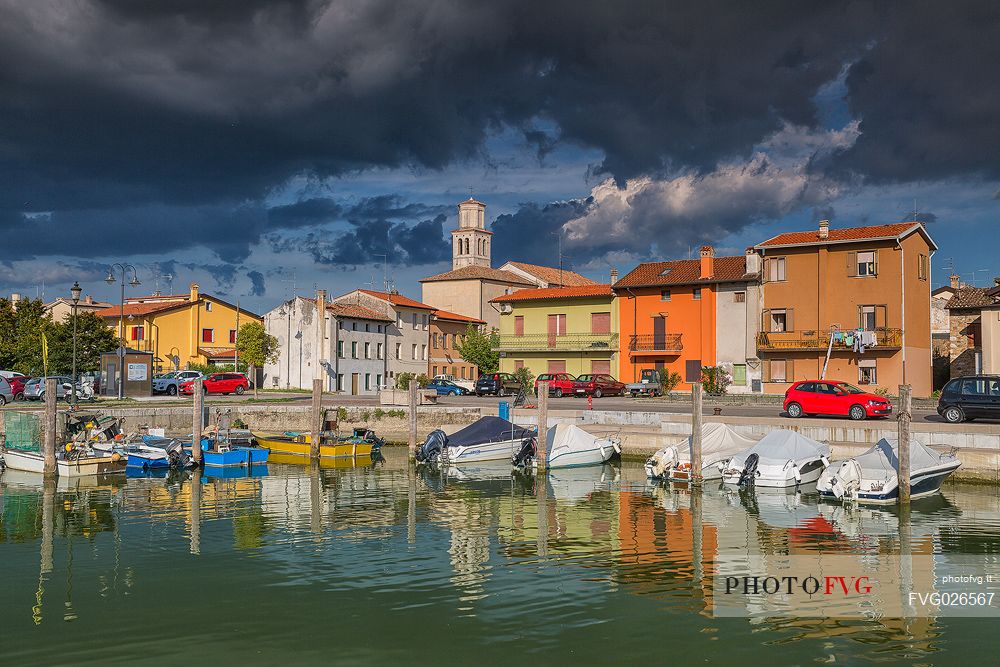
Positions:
(174, 121)
(540, 224)
(257, 285)
(366, 242)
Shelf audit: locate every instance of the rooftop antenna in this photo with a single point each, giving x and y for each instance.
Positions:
(385, 272)
(290, 281)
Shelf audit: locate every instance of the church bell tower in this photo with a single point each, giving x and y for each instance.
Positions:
(471, 241)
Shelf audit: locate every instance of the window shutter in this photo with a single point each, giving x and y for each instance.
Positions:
(765, 370)
(765, 320)
(881, 316)
(875, 254)
(852, 264)
(789, 370)
(861, 316)
(766, 273)
(519, 325)
(790, 319)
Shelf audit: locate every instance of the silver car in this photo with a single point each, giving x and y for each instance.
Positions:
(6, 393)
(34, 390)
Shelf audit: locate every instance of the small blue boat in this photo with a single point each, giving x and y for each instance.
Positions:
(146, 460)
(235, 456)
(235, 472)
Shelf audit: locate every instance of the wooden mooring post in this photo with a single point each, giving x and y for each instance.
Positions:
(413, 397)
(903, 421)
(542, 442)
(195, 511)
(49, 443)
(198, 421)
(316, 418)
(696, 429)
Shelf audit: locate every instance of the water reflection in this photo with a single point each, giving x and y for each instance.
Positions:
(589, 546)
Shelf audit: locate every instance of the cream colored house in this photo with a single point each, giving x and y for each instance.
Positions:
(62, 307)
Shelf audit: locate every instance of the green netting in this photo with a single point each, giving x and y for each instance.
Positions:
(22, 430)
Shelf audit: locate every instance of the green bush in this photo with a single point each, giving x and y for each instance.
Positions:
(881, 391)
(714, 380)
(403, 380)
(669, 380)
(423, 380)
(525, 378)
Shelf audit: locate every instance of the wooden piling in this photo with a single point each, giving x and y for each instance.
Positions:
(411, 503)
(316, 417)
(412, 403)
(198, 420)
(542, 443)
(542, 497)
(903, 421)
(49, 443)
(195, 511)
(696, 429)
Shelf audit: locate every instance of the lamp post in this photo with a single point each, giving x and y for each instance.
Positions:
(111, 280)
(288, 344)
(74, 291)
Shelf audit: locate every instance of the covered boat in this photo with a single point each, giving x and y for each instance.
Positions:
(568, 446)
(871, 477)
(780, 459)
(719, 443)
(489, 439)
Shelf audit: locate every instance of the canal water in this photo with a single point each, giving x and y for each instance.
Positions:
(373, 564)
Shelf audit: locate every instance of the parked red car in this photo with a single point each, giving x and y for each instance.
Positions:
(830, 397)
(218, 383)
(560, 384)
(597, 385)
(17, 386)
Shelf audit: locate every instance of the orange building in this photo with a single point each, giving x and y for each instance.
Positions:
(855, 300)
(678, 316)
(446, 333)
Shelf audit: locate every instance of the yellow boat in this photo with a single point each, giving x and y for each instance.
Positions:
(298, 459)
(300, 445)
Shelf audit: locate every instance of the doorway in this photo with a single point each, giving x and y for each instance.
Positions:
(355, 382)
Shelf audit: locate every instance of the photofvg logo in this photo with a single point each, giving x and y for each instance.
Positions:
(863, 586)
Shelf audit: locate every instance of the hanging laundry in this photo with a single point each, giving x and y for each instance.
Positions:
(838, 336)
(848, 340)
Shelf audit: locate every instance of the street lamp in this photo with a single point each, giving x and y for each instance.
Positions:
(111, 280)
(288, 344)
(75, 293)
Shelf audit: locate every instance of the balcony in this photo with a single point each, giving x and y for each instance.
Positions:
(796, 341)
(571, 342)
(655, 344)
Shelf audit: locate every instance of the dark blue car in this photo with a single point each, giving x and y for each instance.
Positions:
(447, 388)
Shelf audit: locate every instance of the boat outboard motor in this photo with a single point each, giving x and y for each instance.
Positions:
(525, 454)
(749, 474)
(176, 455)
(431, 449)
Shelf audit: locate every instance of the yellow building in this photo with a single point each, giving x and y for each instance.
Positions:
(559, 330)
(180, 329)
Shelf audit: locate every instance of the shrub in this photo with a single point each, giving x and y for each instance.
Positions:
(881, 391)
(422, 380)
(403, 380)
(525, 378)
(342, 414)
(669, 380)
(378, 414)
(936, 393)
(714, 380)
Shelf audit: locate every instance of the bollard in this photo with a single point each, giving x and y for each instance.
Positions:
(316, 416)
(542, 441)
(590, 401)
(412, 442)
(49, 444)
(696, 433)
(198, 422)
(903, 421)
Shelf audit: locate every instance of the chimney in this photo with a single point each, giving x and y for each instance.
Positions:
(953, 281)
(707, 261)
(194, 292)
(824, 229)
(614, 275)
(752, 260)
(89, 300)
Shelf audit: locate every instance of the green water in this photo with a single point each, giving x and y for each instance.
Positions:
(372, 565)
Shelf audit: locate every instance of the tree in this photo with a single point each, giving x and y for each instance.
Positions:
(8, 335)
(526, 378)
(480, 349)
(30, 321)
(93, 338)
(256, 347)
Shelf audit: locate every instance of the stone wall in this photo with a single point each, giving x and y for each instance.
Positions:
(962, 355)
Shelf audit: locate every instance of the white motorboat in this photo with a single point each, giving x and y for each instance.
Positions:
(719, 443)
(779, 460)
(871, 477)
(72, 464)
(569, 446)
(489, 439)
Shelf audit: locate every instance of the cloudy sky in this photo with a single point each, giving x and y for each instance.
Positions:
(264, 146)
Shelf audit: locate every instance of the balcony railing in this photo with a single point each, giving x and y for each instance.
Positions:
(563, 342)
(767, 341)
(656, 344)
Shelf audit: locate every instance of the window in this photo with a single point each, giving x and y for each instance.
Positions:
(138, 333)
(519, 325)
(208, 335)
(779, 321)
(354, 326)
(665, 295)
(463, 372)
(380, 328)
(696, 294)
(413, 352)
(354, 350)
(208, 306)
(434, 341)
(866, 372)
(692, 370)
(922, 265)
(600, 323)
(740, 297)
(434, 371)
(518, 364)
(862, 264)
(378, 350)
(427, 320)
(778, 368)
(340, 382)
(867, 319)
(232, 336)
(340, 349)
(776, 269)
(340, 325)
(378, 381)
(557, 366)
(399, 320)
(368, 350)
(600, 366)
(399, 350)
(368, 381)
(423, 352)
(368, 326)
(416, 324)
(740, 375)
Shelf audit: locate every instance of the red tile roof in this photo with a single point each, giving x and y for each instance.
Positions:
(579, 292)
(455, 317)
(138, 309)
(217, 352)
(553, 275)
(479, 273)
(872, 232)
(160, 297)
(397, 299)
(357, 312)
(686, 272)
(970, 297)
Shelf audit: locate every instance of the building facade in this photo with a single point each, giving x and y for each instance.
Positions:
(971, 322)
(180, 329)
(559, 330)
(684, 315)
(855, 302)
(62, 307)
(447, 332)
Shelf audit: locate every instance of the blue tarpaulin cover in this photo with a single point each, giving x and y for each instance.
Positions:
(488, 429)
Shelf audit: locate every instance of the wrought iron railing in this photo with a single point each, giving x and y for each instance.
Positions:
(885, 339)
(656, 343)
(563, 342)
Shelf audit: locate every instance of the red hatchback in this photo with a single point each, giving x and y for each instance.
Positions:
(560, 384)
(17, 386)
(597, 385)
(829, 397)
(219, 383)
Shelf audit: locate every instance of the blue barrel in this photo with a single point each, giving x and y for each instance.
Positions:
(505, 410)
